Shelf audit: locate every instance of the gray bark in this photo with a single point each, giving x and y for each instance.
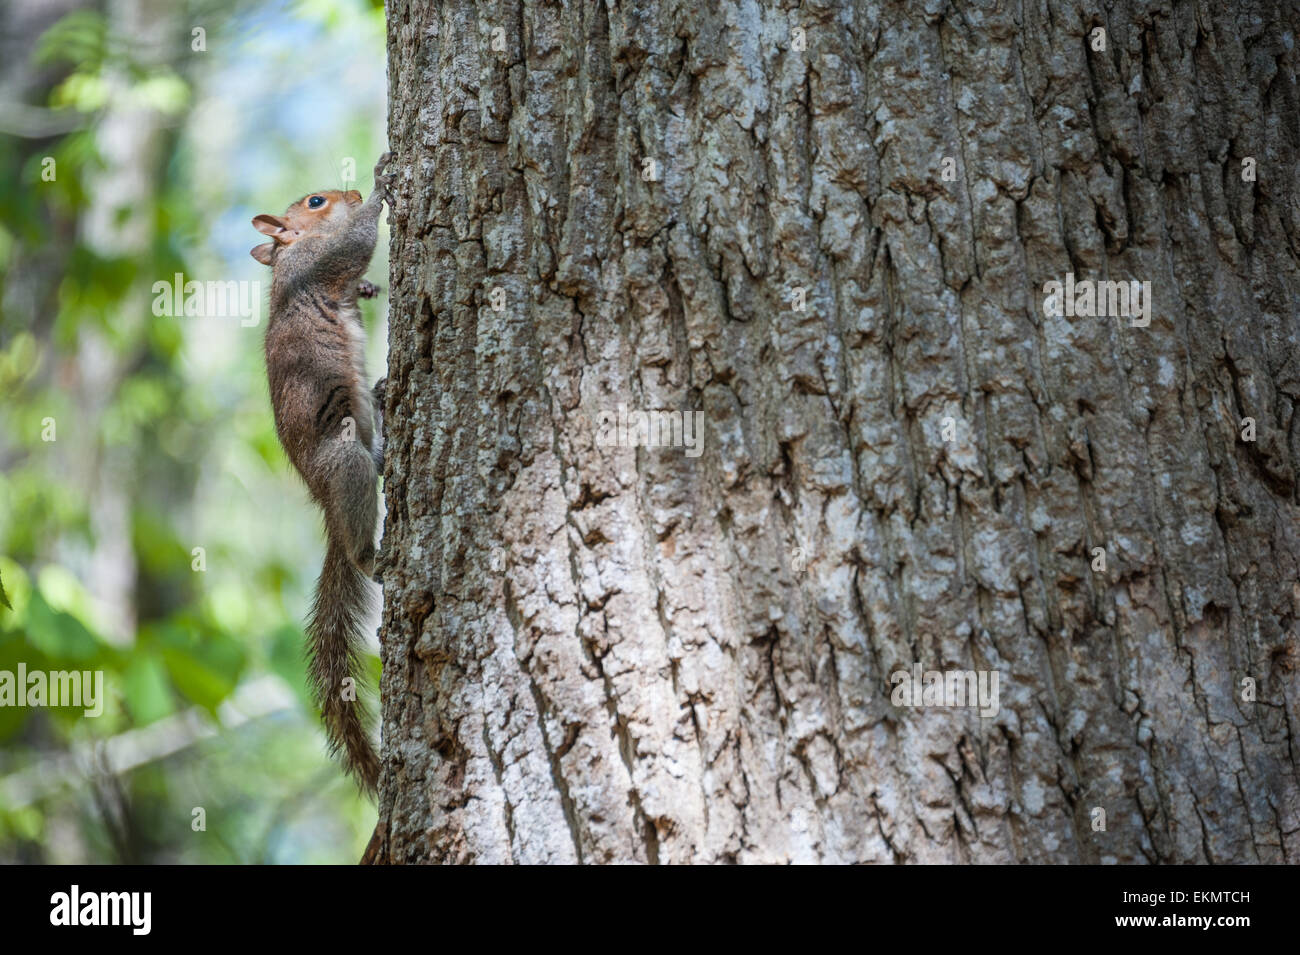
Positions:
(605, 654)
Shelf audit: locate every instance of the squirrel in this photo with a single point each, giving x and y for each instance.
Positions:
(331, 427)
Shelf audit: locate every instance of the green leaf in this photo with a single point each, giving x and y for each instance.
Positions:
(79, 37)
(13, 652)
(60, 636)
(206, 668)
(4, 598)
(196, 681)
(288, 661)
(19, 591)
(144, 684)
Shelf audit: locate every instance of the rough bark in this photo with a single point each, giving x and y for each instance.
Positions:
(606, 654)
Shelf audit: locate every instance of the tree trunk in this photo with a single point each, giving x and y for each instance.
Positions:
(830, 230)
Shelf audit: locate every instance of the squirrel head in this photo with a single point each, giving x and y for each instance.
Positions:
(316, 212)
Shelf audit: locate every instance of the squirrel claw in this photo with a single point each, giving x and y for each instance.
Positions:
(368, 289)
(383, 179)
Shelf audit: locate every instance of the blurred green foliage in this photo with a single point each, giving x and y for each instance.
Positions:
(150, 527)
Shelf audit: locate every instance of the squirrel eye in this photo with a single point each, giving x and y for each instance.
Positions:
(315, 202)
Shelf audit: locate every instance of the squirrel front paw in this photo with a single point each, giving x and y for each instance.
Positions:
(367, 289)
(384, 178)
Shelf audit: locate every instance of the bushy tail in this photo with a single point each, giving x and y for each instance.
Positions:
(335, 637)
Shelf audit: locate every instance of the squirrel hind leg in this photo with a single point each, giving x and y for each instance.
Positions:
(365, 560)
(378, 396)
(347, 471)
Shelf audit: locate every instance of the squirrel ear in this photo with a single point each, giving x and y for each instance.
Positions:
(267, 225)
(263, 253)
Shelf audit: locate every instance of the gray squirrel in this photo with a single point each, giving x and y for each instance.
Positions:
(330, 424)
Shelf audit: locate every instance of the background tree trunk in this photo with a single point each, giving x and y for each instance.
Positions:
(607, 654)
